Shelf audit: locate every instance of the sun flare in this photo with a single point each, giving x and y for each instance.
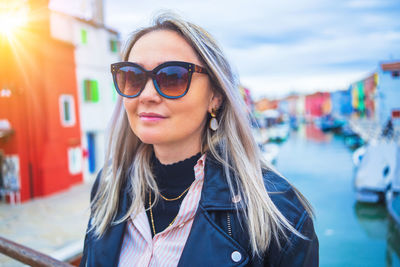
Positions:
(13, 17)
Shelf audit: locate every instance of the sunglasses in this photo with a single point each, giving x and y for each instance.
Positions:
(171, 79)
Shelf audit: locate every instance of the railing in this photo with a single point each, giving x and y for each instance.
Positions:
(28, 256)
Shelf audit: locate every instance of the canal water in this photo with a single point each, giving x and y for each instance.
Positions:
(349, 233)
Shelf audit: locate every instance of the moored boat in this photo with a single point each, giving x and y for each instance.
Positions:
(393, 194)
(376, 171)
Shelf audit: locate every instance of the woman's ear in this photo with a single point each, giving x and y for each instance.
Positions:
(215, 102)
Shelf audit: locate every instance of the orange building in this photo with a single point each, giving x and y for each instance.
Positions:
(39, 115)
(265, 104)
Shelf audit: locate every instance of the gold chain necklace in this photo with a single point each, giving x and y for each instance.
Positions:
(167, 199)
(152, 218)
(176, 198)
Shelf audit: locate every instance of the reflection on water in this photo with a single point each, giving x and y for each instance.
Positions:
(350, 233)
(373, 219)
(393, 241)
(377, 224)
(315, 134)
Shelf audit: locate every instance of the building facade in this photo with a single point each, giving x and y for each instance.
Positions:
(341, 103)
(56, 97)
(388, 99)
(363, 94)
(317, 105)
(39, 108)
(96, 47)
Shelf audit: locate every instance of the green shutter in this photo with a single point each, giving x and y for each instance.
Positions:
(66, 111)
(361, 96)
(83, 36)
(87, 95)
(114, 46)
(95, 91)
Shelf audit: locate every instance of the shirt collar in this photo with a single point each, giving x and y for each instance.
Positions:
(199, 168)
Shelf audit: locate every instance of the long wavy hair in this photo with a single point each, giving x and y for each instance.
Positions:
(127, 161)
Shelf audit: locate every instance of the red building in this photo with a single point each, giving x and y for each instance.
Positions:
(39, 115)
(317, 105)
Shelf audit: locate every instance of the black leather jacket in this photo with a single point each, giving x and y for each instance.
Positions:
(213, 241)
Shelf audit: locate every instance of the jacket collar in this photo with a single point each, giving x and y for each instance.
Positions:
(215, 193)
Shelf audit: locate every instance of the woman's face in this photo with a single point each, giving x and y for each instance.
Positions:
(164, 122)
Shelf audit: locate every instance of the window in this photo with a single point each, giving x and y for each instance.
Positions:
(83, 36)
(74, 160)
(113, 45)
(5, 92)
(67, 110)
(396, 74)
(90, 91)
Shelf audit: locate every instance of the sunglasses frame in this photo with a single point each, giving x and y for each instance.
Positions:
(190, 67)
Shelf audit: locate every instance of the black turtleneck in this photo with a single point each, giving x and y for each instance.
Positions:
(172, 180)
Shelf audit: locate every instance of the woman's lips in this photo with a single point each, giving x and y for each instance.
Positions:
(150, 117)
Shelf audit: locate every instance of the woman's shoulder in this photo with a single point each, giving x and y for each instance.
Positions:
(275, 183)
(291, 204)
(285, 197)
(95, 185)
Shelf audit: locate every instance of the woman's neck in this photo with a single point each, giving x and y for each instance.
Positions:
(172, 154)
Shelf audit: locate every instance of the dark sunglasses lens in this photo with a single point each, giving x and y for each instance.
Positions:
(130, 80)
(173, 80)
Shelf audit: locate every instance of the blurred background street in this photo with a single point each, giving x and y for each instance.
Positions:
(54, 225)
(321, 81)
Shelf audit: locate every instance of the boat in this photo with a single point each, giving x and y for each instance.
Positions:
(393, 193)
(330, 124)
(351, 138)
(376, 170)
(358, 155)
(270, 152)
(278, 133)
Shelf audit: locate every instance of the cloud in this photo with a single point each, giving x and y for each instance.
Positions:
(291, 45)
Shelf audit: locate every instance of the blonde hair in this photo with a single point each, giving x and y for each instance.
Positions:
(232, 145)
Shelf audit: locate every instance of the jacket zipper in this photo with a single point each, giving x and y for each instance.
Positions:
(228, 220)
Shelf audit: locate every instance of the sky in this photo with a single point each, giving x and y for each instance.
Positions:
(278, 47)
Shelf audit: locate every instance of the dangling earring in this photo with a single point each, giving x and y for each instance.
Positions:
(213, 122)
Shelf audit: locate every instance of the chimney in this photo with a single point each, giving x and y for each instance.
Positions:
(98, 12)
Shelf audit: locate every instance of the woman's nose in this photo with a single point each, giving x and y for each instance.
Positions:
(149, 93)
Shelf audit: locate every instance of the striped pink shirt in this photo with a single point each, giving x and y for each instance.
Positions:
(165, 249)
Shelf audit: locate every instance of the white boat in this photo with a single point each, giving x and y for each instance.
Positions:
(278, 133)
(376, 170)
(260, 135)
(393, 194)
(270, 152)
(357, 155)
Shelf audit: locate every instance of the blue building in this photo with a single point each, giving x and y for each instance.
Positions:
(341, 103)
(388, 97)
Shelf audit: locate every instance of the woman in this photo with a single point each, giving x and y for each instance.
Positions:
(184, 183)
